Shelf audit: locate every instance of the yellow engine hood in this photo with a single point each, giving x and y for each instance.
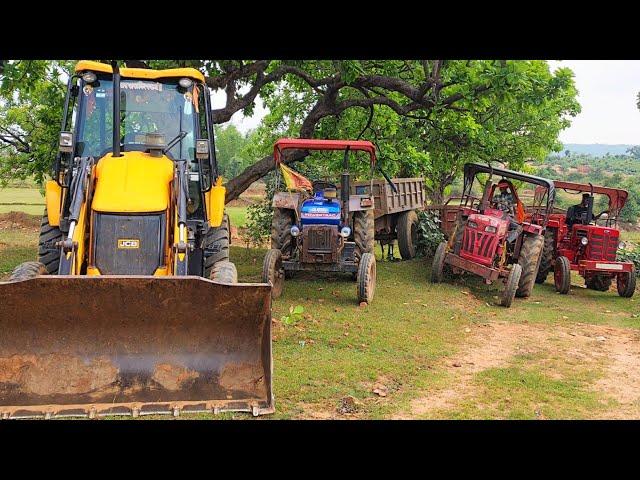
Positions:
(133, 183)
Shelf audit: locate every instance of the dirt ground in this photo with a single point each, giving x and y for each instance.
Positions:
(614, 351)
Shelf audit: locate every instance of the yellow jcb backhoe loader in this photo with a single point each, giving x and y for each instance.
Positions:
(133, 307)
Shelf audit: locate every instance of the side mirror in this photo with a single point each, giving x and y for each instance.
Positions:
(65, 144)
(202, 149)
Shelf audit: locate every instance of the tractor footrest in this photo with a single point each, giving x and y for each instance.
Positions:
(483, 271)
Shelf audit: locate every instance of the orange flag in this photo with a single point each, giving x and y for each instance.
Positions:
(294, 180)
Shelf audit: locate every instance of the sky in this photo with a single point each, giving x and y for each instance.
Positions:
(607, 91)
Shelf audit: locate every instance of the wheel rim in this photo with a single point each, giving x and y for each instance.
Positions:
(623, 280)
(277, 277)
(558, 275)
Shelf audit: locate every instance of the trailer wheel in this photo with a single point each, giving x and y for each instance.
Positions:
(224, 272)
(626, 283)
(366, 278)
(509, 292)
(437, 267)
(529, 259)
(562, 275)
(27, 271)
(546, 260)
(407, 230)
(216, 246)
(363, 233)
(272, 271)
(48, 253)
(600, 283)
(281, 229)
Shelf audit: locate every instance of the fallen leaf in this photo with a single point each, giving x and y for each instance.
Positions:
(467, 329)
(346, 334)
(607, 311)
(464, 293)
(564, 317)
(600, 339)
(456, 364)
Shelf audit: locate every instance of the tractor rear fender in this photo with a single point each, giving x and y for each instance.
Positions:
(358, 203)
(287, 200)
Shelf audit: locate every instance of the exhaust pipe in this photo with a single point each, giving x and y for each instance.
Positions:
(116, 108)
(345, 188)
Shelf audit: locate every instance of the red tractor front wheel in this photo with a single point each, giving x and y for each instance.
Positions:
(562, 275)
(626, 283)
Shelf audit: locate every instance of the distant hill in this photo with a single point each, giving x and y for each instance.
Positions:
(595, 149)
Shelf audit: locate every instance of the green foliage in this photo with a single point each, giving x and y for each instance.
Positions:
(259, 215)
(232, 150)
(31, 102)
(294, 315)
(429, 234)
(617, 171)
(630, 256)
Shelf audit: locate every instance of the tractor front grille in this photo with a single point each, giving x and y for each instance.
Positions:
(603, 247)
(320, 244)
(319, 240)
(479, 246)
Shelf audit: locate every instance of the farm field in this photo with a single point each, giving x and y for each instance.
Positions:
(422, 351)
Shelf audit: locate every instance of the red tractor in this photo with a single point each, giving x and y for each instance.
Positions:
(578, 240)
(491, 237)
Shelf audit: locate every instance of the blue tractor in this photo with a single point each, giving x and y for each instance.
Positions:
(320, 227)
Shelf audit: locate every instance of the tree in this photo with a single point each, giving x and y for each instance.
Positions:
(465, 100)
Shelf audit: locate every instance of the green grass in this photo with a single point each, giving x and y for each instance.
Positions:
(403, 338)
(237, 216)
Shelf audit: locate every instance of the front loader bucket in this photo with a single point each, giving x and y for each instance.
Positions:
(110, 345)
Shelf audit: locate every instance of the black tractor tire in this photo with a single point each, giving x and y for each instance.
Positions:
(562, 275)
(28, 271)
(216, 246)
(363, 233)
(366, 280)
(437, 267)
(626, 283)
(546, 260)
(272, 271)
(224, 272)
(48, 253)
(599, 283)
(529, 260)
(281, 229)
(407, 230)
(513, 280)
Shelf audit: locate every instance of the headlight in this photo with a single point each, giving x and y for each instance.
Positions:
(89, 77)
(345, 232)
(584, 240)
(490, 229)
(472, 224)
(185, 82)
(295, 231)
(622, 245)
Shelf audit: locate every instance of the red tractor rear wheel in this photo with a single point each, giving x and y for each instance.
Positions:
(562, 275)
(626, 283)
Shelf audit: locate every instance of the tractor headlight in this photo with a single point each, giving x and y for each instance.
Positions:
(622, 245)
(295, 231)
(584, 240)
(89, 77)
(472, 224)
(490, 229)
(345, 232)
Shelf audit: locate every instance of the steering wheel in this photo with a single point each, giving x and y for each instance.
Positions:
(321, 185)
(597, 217)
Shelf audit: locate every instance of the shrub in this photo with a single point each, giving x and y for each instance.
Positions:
(429, 234)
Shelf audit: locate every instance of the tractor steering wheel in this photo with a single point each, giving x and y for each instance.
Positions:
(318, 185)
